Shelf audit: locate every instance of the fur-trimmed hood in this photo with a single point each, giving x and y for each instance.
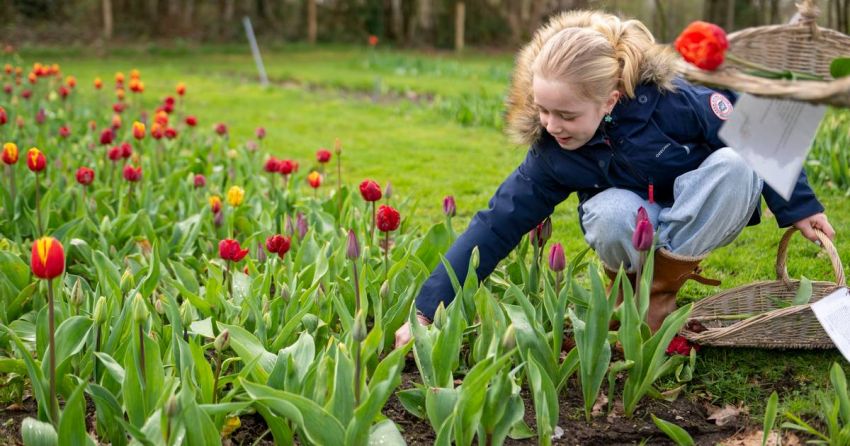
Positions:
(523, 122)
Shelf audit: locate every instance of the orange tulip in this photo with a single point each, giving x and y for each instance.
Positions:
(315, 179)
(48, 258)
(119, 78)
(138, 130)
(98, 84)
(181, 89)
(71, 81)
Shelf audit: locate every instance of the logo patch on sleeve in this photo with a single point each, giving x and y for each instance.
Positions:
(721, 106)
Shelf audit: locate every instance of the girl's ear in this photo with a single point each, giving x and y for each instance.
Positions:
(613, 97)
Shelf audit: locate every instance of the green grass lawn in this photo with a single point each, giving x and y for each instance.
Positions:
(426, 152)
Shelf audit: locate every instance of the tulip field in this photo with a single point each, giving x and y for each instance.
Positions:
(189, 258)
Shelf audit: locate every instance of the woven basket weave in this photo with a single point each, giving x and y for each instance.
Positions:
(772, 321)
(801, 47)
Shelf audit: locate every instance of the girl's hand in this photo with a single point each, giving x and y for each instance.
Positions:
(403, 335)
(817, 221)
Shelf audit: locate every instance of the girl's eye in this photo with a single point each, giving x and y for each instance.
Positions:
(567, 117)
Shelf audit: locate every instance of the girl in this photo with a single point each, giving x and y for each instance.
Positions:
(605, 117)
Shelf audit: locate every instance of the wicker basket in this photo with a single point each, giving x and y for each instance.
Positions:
(772, 322)
(801, 47)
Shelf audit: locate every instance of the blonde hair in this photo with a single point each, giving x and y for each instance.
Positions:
(597, 53)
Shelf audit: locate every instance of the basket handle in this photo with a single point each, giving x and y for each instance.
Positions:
(826, 243)
(809, 13)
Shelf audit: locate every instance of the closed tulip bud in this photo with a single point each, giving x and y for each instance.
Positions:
(474, 259)
(191, 121)
(171, 406)
(284, 292)
(186, 314)
(385, 290)
(99, 315)
(159, 306)
(388, 191)
(509, 339)
(127, 281)
(140, 309)
(272, 165)
(77, 295)
(222, 342)
(85, 176)
(641, 215)
(200, 181)
(314, 179)
(301, 225)
(98, 83)
(261, 253)
(449, 206)
(48, 258)
(106, 137)
(229, 249)
(260, 132)
(181, 89)
(235, 195)
(557, 259)
(40, 116)
(132, 174)
(359, 331)
(267, 319)
(352, 250)
(218, 219)
(215, 204)
(36, 161)
(441, 317)
(232, 154)
(643, 235)
(221, 129)
(64, 131)
(10, 153)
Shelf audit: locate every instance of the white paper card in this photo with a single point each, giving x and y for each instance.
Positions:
(773, 136)
(833, 313)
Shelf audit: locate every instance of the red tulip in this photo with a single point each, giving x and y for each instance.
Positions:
(170, 132)
(48, 258)
(680, 346)
(64, 92)
(64, 131)
(370, 190)
(221, 129)
(703, 44)
(114, 153)
(200, 181)
(132, 174)
(541, 233)
(126, 150)
(278, 244)
(388, 218)
(181, 89)
(191, 121)
(26, 94)
(285, 167)
(4, 118)
(10, 153)
(138, 130)
(641, 215)
(106, 137)
(169, 100)
(373, 40)
(557, 258)
(260, 132)
(7, 89)
(323, 156)
(272, 165)
(36, 160)
(229, 249)
(85, 176)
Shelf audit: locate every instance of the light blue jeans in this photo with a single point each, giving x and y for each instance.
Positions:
(712, 205)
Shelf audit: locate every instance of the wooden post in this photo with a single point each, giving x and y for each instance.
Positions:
(312, 26)
(460, 21)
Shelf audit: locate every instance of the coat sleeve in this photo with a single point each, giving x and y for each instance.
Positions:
(803, 202)
(523, 200)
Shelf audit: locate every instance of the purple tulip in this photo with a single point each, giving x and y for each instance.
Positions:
(289, 229)
(541, 234)
(301, 225)
(642, 238)
(449, 206)
(557, 258)
(641, 215)
(218, 219)
(352, 250)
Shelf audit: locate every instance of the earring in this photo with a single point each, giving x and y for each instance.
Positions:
(608, 119)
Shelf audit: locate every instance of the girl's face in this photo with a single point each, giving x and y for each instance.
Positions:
(567, 117)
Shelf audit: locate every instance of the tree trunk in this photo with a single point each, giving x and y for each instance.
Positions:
(312, 25)
(774, 12)
(730, 15)
(460, 20)
(397, 22)
(188, 13)
(661, 23)
(425, 20)
(107, 19)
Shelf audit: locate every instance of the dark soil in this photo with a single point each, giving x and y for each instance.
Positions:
(613, 429)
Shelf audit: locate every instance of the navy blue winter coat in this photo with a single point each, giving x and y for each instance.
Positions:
(653, 138)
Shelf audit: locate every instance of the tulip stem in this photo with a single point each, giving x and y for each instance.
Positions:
(339, 186)
(357, 370)
(372, 229)
(217, 360)
(638, 278)
(97, 349)
(51, 329)
(37, 207)
(12, 190)
(386, 256)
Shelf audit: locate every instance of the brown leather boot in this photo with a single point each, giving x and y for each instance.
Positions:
(671, 272)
